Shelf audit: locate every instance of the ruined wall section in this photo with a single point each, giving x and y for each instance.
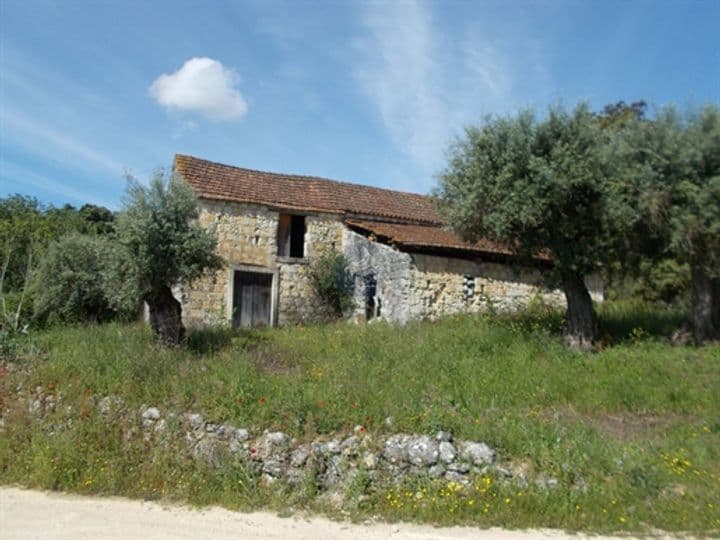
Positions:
(388, 267)
(418, 286)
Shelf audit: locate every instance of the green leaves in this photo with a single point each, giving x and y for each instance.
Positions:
(68, 285)
(332, 282)
(532, 184)
(159, 243)
(615, 190)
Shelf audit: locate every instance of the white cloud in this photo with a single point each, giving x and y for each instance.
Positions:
(201, 85)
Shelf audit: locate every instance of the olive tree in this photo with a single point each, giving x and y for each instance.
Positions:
(666, 181)
(536, 186)
(158, 246)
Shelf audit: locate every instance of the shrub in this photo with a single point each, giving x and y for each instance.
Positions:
(67, 285)
(332, 281)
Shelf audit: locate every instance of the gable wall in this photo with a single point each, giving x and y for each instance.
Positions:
(247, 240)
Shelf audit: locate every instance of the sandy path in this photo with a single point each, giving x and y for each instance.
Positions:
(30, 515)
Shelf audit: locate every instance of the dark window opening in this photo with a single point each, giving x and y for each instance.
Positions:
(291, 236)
(372, 302)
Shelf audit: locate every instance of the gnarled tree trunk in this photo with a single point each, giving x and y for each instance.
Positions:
(581, 327)
(705, 305)
(165, 316)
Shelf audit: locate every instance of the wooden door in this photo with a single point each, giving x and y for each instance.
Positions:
(251, 299)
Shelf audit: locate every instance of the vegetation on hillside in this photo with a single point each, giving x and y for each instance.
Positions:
(66, 265)
(635, 425)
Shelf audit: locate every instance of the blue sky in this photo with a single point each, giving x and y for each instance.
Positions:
(370, 92)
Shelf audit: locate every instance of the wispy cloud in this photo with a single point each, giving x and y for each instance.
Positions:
(426, 83)
(19, 173)
(400, 76)
(44, 140)
(204, 86)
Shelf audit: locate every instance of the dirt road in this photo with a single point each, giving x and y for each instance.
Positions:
(30, 515)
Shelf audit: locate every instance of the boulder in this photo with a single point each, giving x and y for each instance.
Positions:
(422, 450)
(477, 453)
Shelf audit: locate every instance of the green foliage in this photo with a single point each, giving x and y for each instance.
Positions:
(332, 281)
(96, 219)
(158, 242)
(614, 427)
(533, 185)
(26, 229)
(654, 280)
(68, 282)
(695, 214)
(666, 181)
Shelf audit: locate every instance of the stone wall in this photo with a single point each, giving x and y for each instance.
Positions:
(415, 286)
(407, 285)
(391, 270)
(247, 240)
(297, 300)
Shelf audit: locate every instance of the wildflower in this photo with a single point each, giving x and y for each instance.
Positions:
(262, 400)
(622, 519)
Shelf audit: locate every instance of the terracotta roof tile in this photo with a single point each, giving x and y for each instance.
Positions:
(425, 236)
(420, 225)
(223, 182)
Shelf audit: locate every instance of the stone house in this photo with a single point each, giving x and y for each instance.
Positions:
(405, 265)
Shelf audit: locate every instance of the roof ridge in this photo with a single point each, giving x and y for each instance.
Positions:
(303, 176)
(213, 180)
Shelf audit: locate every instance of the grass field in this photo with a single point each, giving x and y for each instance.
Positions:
(631, 431)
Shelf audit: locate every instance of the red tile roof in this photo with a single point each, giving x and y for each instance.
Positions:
(222, 182)
(420, 227)
(407, 235)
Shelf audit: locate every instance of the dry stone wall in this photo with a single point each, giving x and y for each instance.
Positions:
(330, 462)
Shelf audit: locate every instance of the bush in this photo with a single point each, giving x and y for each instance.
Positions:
(67, 285)
(332, 281)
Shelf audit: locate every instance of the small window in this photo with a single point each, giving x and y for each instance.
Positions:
(291, 236)
(468, 287)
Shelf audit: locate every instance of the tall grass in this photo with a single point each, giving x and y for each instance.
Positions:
(607, 417)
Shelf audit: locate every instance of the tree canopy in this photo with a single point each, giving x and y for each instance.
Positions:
(536, 186)
(159, 245)
(596, 191)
